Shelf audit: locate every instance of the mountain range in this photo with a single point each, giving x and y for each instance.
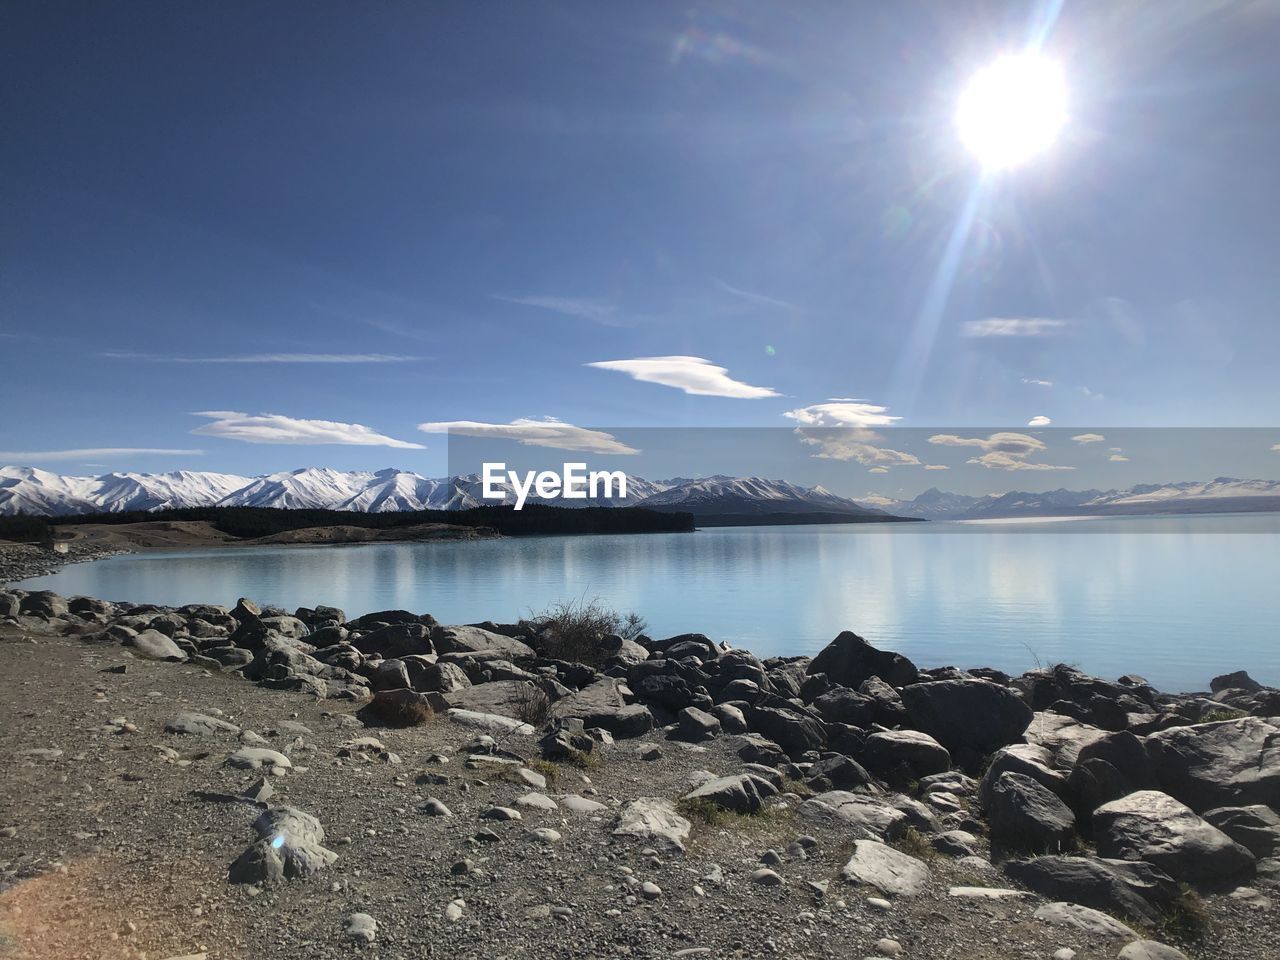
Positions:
(27, 490)
(1221, 495)
(31, 491)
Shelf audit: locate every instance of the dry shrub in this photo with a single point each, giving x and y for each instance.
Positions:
(575, 630)
(532, 706)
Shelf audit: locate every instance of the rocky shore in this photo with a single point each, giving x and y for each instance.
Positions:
(210, 782)
(21, 561)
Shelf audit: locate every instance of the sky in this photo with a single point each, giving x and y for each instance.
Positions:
(249, 238)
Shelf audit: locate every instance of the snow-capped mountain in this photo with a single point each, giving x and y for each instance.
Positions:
(31, 491)
(1219, 495)
(739, 495)
(27, 490)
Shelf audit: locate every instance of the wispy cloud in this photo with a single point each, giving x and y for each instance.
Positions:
(605, 314)
(878, 470)
(276, 428)
(1275, 448)
(270, 358)
(1013, 327)
(1118, 458)
(1001, 451)
(752, 297)
(1083, 438)
(691, 374)
(936, 466)
(1037, 383)
(547, 432)
(842, 412)
(1039, 421)
(42, 456)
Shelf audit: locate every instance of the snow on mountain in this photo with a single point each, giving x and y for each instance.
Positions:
(120, 492)
(721, 494)
(32, 491)
(311, 488)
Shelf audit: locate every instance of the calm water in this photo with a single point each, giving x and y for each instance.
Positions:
(1176, 600)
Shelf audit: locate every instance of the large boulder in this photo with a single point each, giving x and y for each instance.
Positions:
(654, 821)
(1110, 768)
(476, 640)
(696, 725)
(917, 754)
(289, 847)
(743, 793)
(44, 603)
(603, 704)
(441, 677)
(1136, 889)
(1256, 828)
(1024, 815)
(396, 640)
(1154, 827)
(1027, 759)
(842, 705)
(971, 718)
(849, 660)
(154, 645)
(1226, 764)
(794, 732)
(866, 816)
(888, 870)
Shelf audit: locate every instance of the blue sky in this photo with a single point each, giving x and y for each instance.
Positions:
(362, 221)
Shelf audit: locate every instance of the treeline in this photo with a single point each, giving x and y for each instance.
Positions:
(251, 522)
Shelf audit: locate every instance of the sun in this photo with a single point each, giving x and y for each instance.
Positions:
(1012, 110)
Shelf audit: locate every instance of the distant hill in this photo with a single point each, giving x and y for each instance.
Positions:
(1221, 495)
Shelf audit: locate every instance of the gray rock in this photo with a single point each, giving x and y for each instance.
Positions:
(602, 704)
(652, 820)
(1150, 950)
(435, 808)
(793, 731)
(1153, 826)
(396, 640)
(289, 847)
(199, 725)
(259, 758)
(888, 870)
(1110, 768)
(732, 720)
(154, 645)
(917, 752)
(362, 927)
(581, 806)
(849, 660)
(566, 739)
(697, 725)
(744, 793)
(869, 817)
(1255, 827)
(1095, 923)
(1026, 816)
(1028, 759)
(477, 640)
(441, 677)
(766, 877)
(1232, 763)
(1136, 889)
(971, 718)
(501, 813)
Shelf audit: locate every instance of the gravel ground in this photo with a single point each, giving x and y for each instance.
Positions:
(18, 561)
(117, 850)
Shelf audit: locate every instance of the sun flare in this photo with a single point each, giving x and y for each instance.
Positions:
(1012, 110)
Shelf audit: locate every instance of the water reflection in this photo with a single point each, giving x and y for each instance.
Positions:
(1178, 601)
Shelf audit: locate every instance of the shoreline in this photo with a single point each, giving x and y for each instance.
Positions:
(516, 769)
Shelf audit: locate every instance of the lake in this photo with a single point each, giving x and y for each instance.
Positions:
(1177, 600)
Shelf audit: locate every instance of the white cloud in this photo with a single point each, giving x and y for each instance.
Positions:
(1275, 448)
(854, 444)
(691, 374)
(936, 466)
(605, 314)
(998, 460)
(752, 297)
(1013, 327)
(1039, 421)
(842, 412)
(878, 470)
(1002, 451)
(1037, 383)
(41, 456)
(1118, 458)
(548, 432)
(1083, 438)
(275, 428)
(271, 358)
